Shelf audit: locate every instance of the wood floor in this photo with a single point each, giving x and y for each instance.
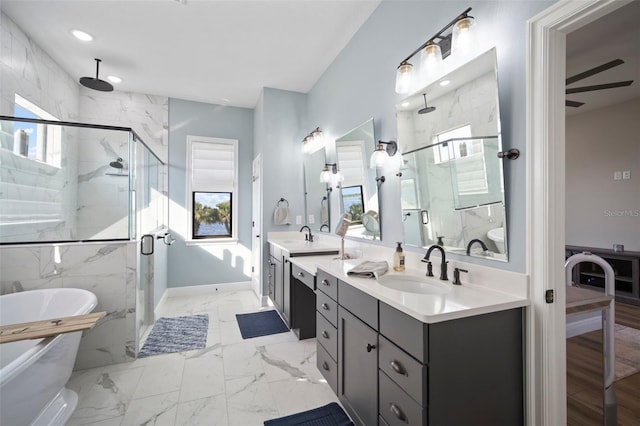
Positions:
(584, 377)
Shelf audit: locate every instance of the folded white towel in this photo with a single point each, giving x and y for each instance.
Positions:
(281, 216)
(369, 269)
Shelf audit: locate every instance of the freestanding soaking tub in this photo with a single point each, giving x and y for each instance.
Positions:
(33, 372)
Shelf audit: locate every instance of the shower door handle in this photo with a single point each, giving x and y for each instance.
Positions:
(147, 244)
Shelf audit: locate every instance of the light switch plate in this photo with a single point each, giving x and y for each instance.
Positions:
(617, 175)
(626, 174)
(312, 219)
(298, 220)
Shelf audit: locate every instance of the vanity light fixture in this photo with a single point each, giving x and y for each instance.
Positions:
(313, 140)
(327, 174)
(437, 48)
(380, 155)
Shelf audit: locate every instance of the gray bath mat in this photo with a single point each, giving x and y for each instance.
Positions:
(179, 334)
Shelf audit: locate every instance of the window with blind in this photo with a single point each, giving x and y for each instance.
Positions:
(212, 187)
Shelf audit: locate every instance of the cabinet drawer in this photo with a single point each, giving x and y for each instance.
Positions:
(328, 368)
(405, 331)
(396, 407)
(327, 335)
(328, 284)
(301, 275)
(327, 307)
(408, 373)
(358, 303)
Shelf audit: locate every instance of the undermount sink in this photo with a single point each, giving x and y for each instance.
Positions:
(413, 284)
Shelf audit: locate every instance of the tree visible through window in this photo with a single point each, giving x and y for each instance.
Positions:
(211, 214)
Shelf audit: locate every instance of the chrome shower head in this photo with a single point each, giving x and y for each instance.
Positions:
(426, 109)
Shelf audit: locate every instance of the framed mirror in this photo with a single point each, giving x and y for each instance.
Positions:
(315, 192)
(452, 184)
(357, 192)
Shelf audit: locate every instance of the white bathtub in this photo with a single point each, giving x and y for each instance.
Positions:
(33, 372)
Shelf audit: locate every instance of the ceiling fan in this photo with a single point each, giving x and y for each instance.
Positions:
(589, 73)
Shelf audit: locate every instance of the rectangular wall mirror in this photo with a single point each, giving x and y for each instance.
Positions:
(358, 193)
(452, 184)
(315, 192)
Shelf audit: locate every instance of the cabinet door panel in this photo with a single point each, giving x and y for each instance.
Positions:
(357, 368)
(286, 291)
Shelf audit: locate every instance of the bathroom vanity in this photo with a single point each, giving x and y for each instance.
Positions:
(447, 358)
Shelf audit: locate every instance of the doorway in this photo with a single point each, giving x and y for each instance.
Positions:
(546, 322)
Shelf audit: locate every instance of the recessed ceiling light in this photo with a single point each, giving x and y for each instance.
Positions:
(445, 83)
(114, 79)
(81, 35)
(405, 104)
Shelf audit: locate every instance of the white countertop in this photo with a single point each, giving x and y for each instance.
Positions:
(301, 247)
(459, 302)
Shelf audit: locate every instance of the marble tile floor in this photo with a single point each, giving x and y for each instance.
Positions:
(230, 382)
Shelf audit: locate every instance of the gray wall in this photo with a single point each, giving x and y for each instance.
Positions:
(215, 263)
(602, 211)
(361, 81)
(280, 126)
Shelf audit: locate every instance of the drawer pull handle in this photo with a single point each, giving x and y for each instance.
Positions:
(370, 346)
(325, 334)
(325, 366)
(300, 274)
(325, 282)
(398, 413)
(398, 368)
(325, 306)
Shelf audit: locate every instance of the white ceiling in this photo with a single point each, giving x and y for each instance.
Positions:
(220, 52)
(616, 35)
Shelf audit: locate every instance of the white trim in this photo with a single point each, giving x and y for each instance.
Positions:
(546, 323)
(580, 325)
(205, 289)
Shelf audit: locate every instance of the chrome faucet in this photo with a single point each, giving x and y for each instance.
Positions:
(472, 242)
(443, 266)
(309, 236)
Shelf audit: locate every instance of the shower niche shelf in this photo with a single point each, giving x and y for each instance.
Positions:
(626, 266)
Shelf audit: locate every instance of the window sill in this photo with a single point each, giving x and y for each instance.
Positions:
(208, 242)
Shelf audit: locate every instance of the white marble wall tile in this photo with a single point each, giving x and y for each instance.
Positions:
(93, 259)
(249, 400)
(109, 289)
(159, 410)
(211, 410)
(162, 374)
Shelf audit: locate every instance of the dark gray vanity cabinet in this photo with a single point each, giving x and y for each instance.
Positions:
(460, 372)
(392, 369)
(357, 368)
(279, 280)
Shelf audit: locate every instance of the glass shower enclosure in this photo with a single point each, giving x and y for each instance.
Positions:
(76, 183)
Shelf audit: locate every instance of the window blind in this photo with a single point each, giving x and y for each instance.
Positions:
(351, 163)
(213, 166)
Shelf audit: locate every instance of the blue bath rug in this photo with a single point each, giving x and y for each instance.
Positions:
(178, 334)
(260, 324)
(329, 415)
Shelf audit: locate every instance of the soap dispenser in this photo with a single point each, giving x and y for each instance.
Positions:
(398, 259)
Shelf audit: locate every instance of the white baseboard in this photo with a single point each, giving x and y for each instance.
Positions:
(197, 290)
(583, 324)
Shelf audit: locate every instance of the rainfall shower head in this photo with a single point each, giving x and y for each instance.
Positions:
(96, 83)
(426, 109)
(117, 164)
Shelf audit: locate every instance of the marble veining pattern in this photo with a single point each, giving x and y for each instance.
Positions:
(229, 382)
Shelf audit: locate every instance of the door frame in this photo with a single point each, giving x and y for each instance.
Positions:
(545, 149)
(256, 216)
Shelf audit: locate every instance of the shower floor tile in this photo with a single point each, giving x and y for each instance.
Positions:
(234, 381)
